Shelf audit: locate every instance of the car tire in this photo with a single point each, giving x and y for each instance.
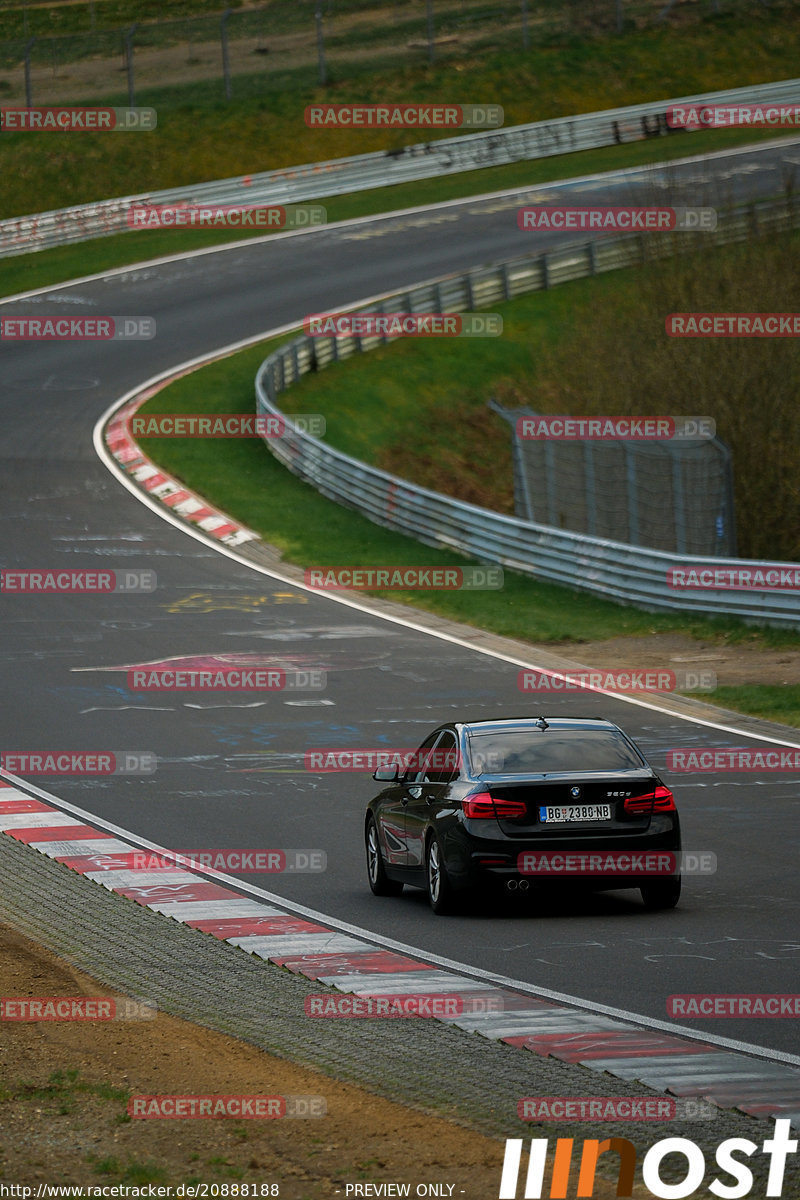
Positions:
(379, 881)
(440, 890)
(662, 895)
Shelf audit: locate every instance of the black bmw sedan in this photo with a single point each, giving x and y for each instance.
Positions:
(513, 803)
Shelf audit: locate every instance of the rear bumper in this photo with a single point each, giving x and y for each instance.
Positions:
(582, 863)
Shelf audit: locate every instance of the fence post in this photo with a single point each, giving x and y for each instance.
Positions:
(550, 477)
(590, 488)
(226, 64)
(129, 63)
(526, 35)
(431, 50)
(323, 70)
(522, 475)
(678, 505)
(28, 89)
(632, 495)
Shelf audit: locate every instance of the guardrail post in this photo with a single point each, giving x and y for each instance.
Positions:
(28, 90)
(506, 283)
(620, 20)
(526, 36)
(226, 66)
(129, 63)
(545, 272)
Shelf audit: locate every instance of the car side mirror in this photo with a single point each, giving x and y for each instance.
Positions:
(387, 774)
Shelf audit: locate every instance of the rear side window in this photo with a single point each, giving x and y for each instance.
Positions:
(443, 763)
(417, 772)
(542, 752)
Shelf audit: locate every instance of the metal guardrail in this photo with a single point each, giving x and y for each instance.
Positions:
(614, 569)
(447, 156)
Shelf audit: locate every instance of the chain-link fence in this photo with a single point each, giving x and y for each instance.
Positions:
(243, 50)
(675, 496)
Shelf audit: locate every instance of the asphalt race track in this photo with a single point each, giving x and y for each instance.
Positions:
(230, 768)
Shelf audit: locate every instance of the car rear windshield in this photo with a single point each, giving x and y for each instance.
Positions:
(535, 752)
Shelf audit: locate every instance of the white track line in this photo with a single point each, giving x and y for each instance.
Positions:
(270, 572)
(165, 514)
(353, 222)
(776, 1056)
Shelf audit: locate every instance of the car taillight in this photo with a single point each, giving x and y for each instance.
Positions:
(482, 804)
(662, 800)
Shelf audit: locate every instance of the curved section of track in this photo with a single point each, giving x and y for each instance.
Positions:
(230, 770)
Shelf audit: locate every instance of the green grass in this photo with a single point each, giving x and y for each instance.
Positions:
(201, 137)
(61, 1089)
(777, 702)
(44, 268)
(51, 20)
(242, 477)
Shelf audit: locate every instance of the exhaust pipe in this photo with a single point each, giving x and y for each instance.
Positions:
(511, 885)
(523, 885)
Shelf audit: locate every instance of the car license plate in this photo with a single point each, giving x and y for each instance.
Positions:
(575, 812)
